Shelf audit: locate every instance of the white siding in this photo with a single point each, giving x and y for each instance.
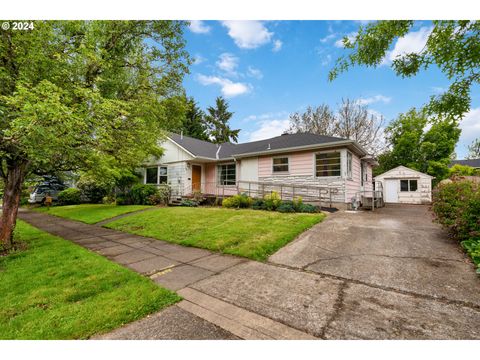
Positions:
(423, 194)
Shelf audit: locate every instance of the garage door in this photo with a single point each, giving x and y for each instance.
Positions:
(391, 191)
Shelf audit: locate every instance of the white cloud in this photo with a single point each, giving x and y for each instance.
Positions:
(326, 60)
(254, 72)
(470, 126)
(248, 34)
(198, 59)
(438, 89)
(374, 99)
(269, 128)
(277, 45)
(414, 41)
(328, 38)
(228, 87)
(351, 36)
(199, 27)
(228, 63)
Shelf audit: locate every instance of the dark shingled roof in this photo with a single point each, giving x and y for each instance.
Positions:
(206, 149)
(468, 162)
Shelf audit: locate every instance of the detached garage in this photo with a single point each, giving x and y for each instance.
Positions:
(406, 186)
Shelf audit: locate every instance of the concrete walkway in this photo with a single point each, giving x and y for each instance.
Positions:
(391, 274)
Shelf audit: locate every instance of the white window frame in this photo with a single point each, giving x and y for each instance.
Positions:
(328, 176)
(219, 174)
(287, 164)
(363, 173)
(349, 166)
(159, 181)
(409, 187)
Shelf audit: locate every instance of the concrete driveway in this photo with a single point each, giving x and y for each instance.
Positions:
(390, 274)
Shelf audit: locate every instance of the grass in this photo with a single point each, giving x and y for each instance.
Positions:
(253, 234)
(58, 290)
(90, 213)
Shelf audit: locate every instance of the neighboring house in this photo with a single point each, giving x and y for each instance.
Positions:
(293, 164)
(406, 186)
(475, 163)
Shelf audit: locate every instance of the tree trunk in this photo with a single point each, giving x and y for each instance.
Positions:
(11, 200)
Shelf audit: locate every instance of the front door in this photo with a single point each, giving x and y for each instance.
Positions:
(391, 191)
(196, 178)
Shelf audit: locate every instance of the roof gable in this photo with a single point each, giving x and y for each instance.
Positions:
(405, 168)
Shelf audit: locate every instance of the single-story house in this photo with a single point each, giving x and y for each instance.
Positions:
(306, 165)
(406, 186)
(475, 163)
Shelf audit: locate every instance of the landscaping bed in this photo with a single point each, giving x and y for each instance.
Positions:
(57, 290)
(90, 213)
(254, 234)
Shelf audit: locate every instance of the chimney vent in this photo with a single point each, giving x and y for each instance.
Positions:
(269, 148)
(181, 135)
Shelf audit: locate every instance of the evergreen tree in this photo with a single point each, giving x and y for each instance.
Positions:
(194, 124)
(217, 119)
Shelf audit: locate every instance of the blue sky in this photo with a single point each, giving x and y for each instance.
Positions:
(267, 70)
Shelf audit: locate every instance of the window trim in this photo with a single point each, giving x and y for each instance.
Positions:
(218, 174)
(284, 171)
(408, 185)
(348, 176)
(159, 182)
(315, 164)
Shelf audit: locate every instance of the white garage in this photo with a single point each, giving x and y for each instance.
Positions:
(406, 186)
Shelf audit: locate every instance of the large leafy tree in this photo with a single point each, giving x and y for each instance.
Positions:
(452, 46)
(84, 94)
(217, 119)
(416, 144)
(194, 124)
(351, 120)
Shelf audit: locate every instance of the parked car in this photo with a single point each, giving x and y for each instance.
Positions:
(40, 192)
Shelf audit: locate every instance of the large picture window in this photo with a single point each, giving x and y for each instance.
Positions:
(408, 185)
(227, 174)
(327, 164)
(152, 175)
(280, 164)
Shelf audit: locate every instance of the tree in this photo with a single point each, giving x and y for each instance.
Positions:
(474, 150)
(452, 46)
(416, 146)
(83, 94)
(194, 124)
(217, 120)
(351, 121)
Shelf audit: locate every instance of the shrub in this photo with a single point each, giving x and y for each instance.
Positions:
(189, 203)
(272, 201)
(140, 194)
(258, 204)
(297, 203)
(108, 200)
(122, 200)
(462, 170)
(308, 208)
(457, 207)
(70, 196)
(238, 201)
(286, 207)
(92, 190)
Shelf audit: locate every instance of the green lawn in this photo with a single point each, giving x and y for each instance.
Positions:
(58, 290)
(250, 233)
(91, 213)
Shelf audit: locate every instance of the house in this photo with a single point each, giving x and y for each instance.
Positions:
(315, 167)
(406, 186)
(475, 163)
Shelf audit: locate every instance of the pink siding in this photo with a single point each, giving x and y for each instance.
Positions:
(353, 185)
(300, 163)
(210, 178)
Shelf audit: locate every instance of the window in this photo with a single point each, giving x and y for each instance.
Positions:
(227, 174)
(349, 165)
(152, 175)
(364, 173)
(408, 185)
(163, 175)
(327, 164)
(280, 164)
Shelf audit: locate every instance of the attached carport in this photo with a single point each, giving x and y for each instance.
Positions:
(403, 185)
